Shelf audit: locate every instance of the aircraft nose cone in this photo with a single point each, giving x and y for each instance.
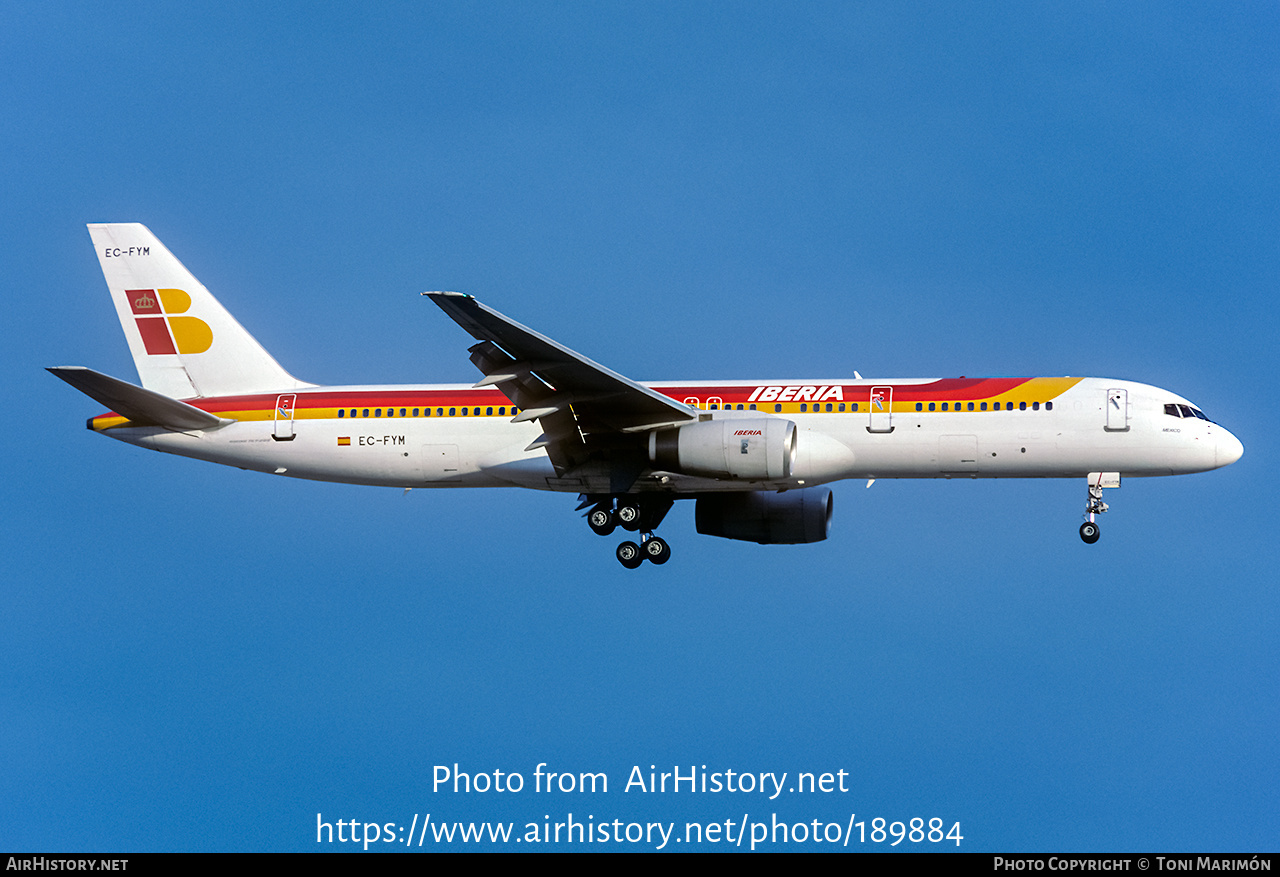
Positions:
(1227, 449)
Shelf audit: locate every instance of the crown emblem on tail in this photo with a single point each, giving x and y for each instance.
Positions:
(144, 302)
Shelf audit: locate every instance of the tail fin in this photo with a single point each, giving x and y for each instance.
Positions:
(183, 342)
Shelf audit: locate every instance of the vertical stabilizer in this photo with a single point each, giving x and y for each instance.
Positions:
(184, 343)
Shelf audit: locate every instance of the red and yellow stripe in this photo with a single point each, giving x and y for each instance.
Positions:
(324, 405)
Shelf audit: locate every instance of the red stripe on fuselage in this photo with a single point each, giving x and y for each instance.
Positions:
(946, 389)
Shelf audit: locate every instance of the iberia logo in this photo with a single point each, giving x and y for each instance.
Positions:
(162, 330)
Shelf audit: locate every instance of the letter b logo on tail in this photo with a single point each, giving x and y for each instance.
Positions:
(157, 313)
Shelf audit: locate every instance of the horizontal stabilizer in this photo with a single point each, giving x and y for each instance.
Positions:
(142, 407)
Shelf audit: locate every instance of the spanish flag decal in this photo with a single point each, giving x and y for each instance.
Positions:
(344, 441)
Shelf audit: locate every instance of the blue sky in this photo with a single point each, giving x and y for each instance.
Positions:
(199, 658)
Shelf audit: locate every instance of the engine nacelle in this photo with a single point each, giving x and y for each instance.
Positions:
(756, 449)
(788, 518)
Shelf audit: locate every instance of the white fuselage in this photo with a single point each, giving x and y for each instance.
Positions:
(1079, 435)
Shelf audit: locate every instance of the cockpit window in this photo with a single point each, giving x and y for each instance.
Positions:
(1177, 410)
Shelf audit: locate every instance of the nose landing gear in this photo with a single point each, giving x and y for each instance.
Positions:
(1089, 530)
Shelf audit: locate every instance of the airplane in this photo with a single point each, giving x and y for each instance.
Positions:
(755, 456)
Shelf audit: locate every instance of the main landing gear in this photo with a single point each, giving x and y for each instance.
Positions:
(654, 548)
(640, 514)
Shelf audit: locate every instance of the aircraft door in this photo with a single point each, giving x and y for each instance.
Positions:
(284, 418)
(881, 408)
(439, 462)
(1117, 410)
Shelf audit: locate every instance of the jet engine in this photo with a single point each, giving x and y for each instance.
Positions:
(787, 518)
(757, 449)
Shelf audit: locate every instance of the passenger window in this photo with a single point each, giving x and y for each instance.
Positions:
(464, 411)
(415, 412)
(984, 406)
(402, 412)
(933, 406)
(944, 406)
(753, 406)
(777, 406)
(841, 406)
(366, 413)
(377, 412)
(713, 407)
(804, 406)
(488, 412)
(502, 410)
(453, 411)
(919, 406)
(426, 411)
(1048, 406)
(342, 412)
(828, 406)
(970, 406)
(1035, 406)
(1022, 406)
(853, 406)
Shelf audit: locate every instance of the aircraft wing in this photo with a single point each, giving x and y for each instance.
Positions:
(581, 406)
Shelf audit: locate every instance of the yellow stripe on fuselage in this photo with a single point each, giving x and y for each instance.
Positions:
(1030, 390)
